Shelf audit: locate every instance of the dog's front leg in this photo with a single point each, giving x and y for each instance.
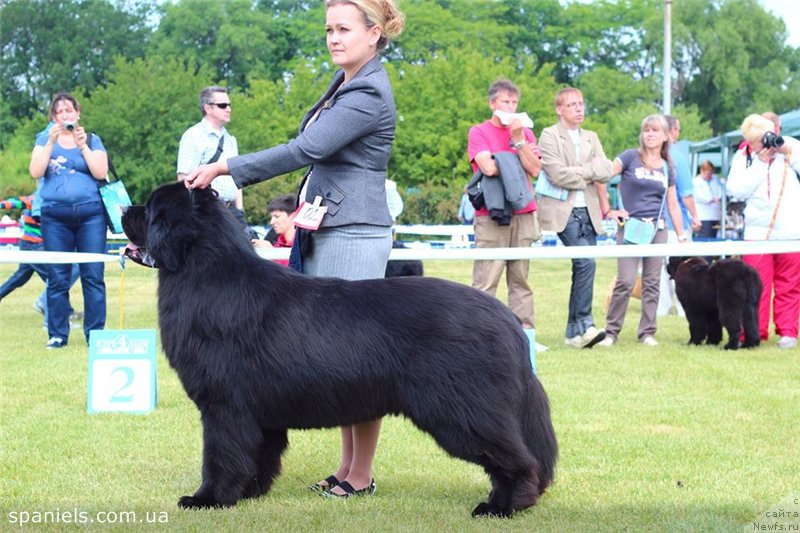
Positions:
(230, 442)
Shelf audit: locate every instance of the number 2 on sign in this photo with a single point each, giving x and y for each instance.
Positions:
(309, 216)
(118, 395)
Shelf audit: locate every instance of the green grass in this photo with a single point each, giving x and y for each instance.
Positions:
(664, 438)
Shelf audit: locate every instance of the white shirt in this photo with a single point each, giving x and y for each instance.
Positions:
(198, 145)
(705, 192)
(575, 135)
(759, 185)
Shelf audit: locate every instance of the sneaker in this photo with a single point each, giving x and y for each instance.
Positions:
(649, 341)
(589, 338)
(56, 342)
(38, 307)
(607, 342)
(787, 342)
(540, 347)
(573, 342)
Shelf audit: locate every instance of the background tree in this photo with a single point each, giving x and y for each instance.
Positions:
(55, 45)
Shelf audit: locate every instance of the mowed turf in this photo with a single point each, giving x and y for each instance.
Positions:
(666, 438)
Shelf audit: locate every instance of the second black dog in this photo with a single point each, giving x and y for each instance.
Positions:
(725, 293)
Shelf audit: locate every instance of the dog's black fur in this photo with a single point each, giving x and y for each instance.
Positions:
(261, 349)
(725, 293)
(396, 268)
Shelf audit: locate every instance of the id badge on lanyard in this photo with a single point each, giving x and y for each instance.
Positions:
(309, 216)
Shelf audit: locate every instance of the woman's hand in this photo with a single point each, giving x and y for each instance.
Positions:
(79, 134)
(620, 215)
(260, 243)
(53, 133)
(202, 176)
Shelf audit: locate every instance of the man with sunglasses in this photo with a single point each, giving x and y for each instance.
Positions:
(208, 141)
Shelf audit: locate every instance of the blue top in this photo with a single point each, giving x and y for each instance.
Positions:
(67, 180)
(684, 185)
(642, 190)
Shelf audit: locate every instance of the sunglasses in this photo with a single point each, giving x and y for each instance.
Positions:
(224, 105)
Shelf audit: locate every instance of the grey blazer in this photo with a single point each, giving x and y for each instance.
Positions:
(348, 147)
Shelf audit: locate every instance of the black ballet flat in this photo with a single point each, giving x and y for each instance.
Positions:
(331, 482)
(349, 491)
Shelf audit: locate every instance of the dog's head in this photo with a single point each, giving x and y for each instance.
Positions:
(675, 263)
(162, 231)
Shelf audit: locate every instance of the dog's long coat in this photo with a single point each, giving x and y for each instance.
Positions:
(261, 349)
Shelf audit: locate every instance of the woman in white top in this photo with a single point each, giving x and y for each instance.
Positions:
(768, 183)
(708, 198)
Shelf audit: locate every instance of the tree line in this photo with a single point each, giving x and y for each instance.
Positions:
(138, 66)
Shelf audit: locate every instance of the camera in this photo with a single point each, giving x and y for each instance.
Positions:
(69, 126)
(770, 140)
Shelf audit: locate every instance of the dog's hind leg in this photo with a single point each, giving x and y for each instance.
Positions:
(698, 327)
(750, 320)
(752, 337)
(268, 463)
(714, 328)
(733, 324)
(231, 441)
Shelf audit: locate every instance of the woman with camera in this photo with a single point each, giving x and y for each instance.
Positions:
(72, 214)
(768, 182)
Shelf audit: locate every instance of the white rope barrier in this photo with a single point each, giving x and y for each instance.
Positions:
(717, 248)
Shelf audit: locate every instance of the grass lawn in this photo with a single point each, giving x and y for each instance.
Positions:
(664, 438)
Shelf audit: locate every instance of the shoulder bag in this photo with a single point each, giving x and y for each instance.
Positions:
(113, 195)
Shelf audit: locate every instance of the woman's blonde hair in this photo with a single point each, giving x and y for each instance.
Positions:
(656, 122)
(381, 13)
(755, 126)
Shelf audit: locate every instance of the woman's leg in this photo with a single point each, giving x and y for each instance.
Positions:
(787, 294)
(764, 266)
(364, 443)
(59, 236)
(91, 238)
(651, 281)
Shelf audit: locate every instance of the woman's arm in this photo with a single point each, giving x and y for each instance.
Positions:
(40, 157)
(602, 193)
(96, 160)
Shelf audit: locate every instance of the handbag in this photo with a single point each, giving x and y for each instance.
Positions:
(114, 196)
(640, 230)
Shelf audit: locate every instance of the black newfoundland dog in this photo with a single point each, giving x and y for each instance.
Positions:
(261, 349)
(725, 293)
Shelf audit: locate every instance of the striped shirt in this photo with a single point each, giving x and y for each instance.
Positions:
(31, 228)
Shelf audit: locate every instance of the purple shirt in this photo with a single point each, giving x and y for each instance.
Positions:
(642, 190)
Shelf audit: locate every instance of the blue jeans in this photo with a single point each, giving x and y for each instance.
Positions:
(580, 232)
(75, 228)
(25, 271)
(41, 301)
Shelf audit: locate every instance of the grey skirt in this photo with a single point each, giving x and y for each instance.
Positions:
(352, 252)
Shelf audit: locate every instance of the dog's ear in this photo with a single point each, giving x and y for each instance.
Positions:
(171, 228)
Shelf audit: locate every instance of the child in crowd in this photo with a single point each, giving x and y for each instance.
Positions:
(281, 211)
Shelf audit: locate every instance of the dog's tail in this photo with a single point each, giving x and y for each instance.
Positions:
(538, 432)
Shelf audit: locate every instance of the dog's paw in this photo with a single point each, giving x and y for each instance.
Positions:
(193, 502)
(486, 509)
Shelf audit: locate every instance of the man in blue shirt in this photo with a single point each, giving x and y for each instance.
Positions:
(691, 221)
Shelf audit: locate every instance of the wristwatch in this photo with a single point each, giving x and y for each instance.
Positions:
(683, 237)
(518, 145)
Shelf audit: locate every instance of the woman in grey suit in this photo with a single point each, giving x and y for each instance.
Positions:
(346, 139)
